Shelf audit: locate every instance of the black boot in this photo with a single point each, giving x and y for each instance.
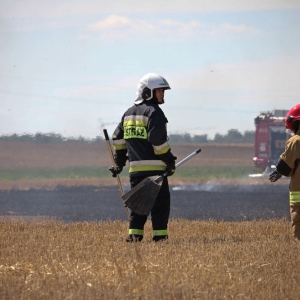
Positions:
(134, 238)
(160, 238)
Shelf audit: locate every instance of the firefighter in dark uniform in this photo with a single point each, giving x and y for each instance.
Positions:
(288, 165)
(141, 137)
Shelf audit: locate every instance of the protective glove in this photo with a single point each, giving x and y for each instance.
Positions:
(169, 159)
(120, 159)
(170, 169)
(115, 171)
(274, 176)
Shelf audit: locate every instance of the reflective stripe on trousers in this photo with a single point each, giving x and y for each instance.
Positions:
(160, 232)
(141, 232)
(136, 231)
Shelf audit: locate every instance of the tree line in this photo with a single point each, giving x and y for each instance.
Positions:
(232, 136)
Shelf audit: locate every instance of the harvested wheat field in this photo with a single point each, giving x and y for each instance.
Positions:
(14, 154)
(63, 229)
(203, 260)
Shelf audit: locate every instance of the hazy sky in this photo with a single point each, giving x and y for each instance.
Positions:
(72, 67)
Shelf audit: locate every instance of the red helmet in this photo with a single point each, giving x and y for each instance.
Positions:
(292, 116)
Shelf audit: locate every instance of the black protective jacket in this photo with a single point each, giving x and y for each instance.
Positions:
(142, 136)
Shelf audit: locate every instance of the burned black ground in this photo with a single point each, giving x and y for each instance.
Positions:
(79, 204)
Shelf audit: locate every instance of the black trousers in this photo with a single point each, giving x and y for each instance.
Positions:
(161, 209)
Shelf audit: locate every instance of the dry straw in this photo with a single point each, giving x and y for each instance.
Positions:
(47, 259)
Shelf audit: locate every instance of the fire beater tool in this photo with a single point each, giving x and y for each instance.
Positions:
(140, 199)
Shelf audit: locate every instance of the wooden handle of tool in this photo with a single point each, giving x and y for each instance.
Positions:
(106, 135)
(109, 147)
(115, 166)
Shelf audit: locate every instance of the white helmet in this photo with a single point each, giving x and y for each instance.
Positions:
(147, 84)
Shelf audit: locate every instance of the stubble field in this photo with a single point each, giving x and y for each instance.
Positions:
(202, 260)
(230, 237)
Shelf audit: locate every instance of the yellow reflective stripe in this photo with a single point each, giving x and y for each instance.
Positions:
(136, 231)
(119, 144)
(156, 162)
(160, 232)
(146, 165)
(147, 168)
(294, 197)
(135, 121)
(161, 149)
(139, 123)
(120, 147)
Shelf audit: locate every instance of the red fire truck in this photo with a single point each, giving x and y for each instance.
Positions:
(270, 138)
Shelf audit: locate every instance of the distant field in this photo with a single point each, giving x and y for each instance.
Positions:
(81, 163)
(18, 155)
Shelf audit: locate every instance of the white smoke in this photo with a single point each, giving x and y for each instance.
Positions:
(213, 186)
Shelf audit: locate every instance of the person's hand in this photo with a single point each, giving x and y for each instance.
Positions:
(170, 169)
(116, 171)
(169, 159)
(274, 176)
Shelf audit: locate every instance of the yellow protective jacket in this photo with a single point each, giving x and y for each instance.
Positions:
(288, 165)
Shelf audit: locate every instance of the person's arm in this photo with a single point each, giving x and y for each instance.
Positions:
(288, 157)
(157, 136)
